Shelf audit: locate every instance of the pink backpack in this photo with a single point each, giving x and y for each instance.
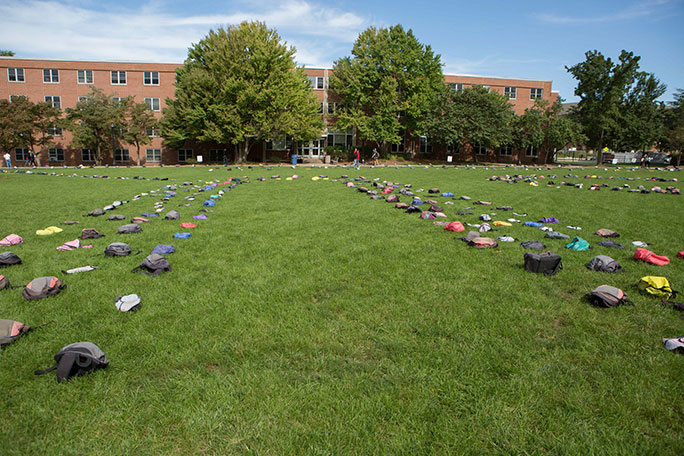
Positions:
(650, 257)
(12, 239)
(455, 226)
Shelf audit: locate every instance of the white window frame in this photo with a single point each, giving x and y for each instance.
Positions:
(155, 132)
(24, 154)
(399, 148)
(536, 93)
(87, 155)
(153, 104)
(317, 82)
(118, 74)
(54, 130)
(117, 99)
(54, 100)
(456, 86)
(532, 151)
(425, 146)
(82, 98)
(16, 73)
(506, 151)
(122, 155)
(155, 158)
(511, 92)
(185, 154)
(53, 154)
(480, 149)
(50, 76)
(84, 76)
(150, 75)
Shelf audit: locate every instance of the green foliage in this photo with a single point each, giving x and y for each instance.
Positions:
(617, 105)
(470, 116)
(6, 53)
(96, 121)
(25, 124)
(673, 131)
(240, 85)
(387, 85)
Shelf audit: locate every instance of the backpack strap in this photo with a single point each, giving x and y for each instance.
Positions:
(45, 371)
(558, 267)
(65, 365)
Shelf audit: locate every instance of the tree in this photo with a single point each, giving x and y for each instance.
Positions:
(471, 116)
(138, 120)
(25, 124)
(240, 85)
(641, 121)
(387, 85)
(673, 134)
(6, 53)
(96, 121)
(604, 90)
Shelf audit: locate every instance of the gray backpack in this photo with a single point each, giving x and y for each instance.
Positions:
(604, 263)
(76, 360)
(11, 330)
(172, 215)
(607, 296)
(96, 212)
(9, 259)
(153, 265)
(116, 217)
(117, 249)
(130, 228)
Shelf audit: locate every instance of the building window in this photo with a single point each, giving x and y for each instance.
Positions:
(151, 78)
(152, 104)
(118, 99)
(536, 94)
(14, 98)
(87, 155)
(398, 148)
(340, 138)
(453, 149)
(20, 154)
(425, 146)
(54, 130)
(456, 87)
(56, 155)
(511, 92)
(215, 155)
(184, 155)
(85, 76)
(153, 132)
(506, 151)
(317, 82)
(118, 77)
(154, 155)
(122, 155)
(15, 74)
(51, 76)
(53, 100)
(480, 149)
(531, 151)
(82, 98)
(331, 108)
(486, 87)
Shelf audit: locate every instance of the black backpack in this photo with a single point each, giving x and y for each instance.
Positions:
(153, 265)
(547, 263)
(129, 229)
(117, 249)
(90, 233)
(42, 287)
(604, 263)
(9, 259)
(76, 360)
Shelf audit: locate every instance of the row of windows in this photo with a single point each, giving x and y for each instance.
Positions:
(153, 103)
(51, 76)
(120, 155)
(510, 92)
(479, 149)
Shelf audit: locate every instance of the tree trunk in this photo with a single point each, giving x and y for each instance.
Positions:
(137, 144)
(98, 155)
(242, 151)
(599, 150)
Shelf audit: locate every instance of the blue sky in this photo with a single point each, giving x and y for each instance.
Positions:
(527, 39)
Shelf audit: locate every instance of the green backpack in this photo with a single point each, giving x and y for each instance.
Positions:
(578, 244)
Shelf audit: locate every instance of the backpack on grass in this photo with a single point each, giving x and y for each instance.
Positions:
(153, 265)
(604, 263)
(90, 233)
(9, 259)
(96, 213)
(658, 286)
(42, 287)
(11, 239)
(11, 330)
(76, 360)
(578, 244)
(117, 249)
(129, 229)
(547, 263)
(607, 296)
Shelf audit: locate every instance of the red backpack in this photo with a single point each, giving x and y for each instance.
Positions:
(650, 257)
(455, 226)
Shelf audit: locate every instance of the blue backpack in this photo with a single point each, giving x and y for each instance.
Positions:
(163, 249)
(209, 203)
(182, 235)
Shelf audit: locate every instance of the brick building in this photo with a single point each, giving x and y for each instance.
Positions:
(64, 82)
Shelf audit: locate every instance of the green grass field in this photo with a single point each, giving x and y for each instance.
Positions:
(304, 318)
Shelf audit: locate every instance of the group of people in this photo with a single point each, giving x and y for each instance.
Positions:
(30, 160)
(374, 156)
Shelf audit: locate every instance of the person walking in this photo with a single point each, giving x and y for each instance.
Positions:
(356, 159)
(375, 156)
(8, 160)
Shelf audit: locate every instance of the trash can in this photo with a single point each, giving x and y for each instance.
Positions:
(294, 159)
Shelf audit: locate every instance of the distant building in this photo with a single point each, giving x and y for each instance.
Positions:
(64, 82)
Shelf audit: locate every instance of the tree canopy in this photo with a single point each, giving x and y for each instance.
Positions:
(25, 124)
(240, 85)
(387, 85)
(138, 120)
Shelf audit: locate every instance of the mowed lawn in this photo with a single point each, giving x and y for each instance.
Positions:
(304, 318)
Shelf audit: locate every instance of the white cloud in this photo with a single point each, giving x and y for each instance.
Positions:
(73, 29)
(633, 11)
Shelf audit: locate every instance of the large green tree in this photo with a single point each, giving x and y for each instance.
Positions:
(609, 93)
(672, 139)
(96, 122)
(138, 120)
(468, 117)
(26, 124)
(240, 86)
(387, 85)
(641, 119)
